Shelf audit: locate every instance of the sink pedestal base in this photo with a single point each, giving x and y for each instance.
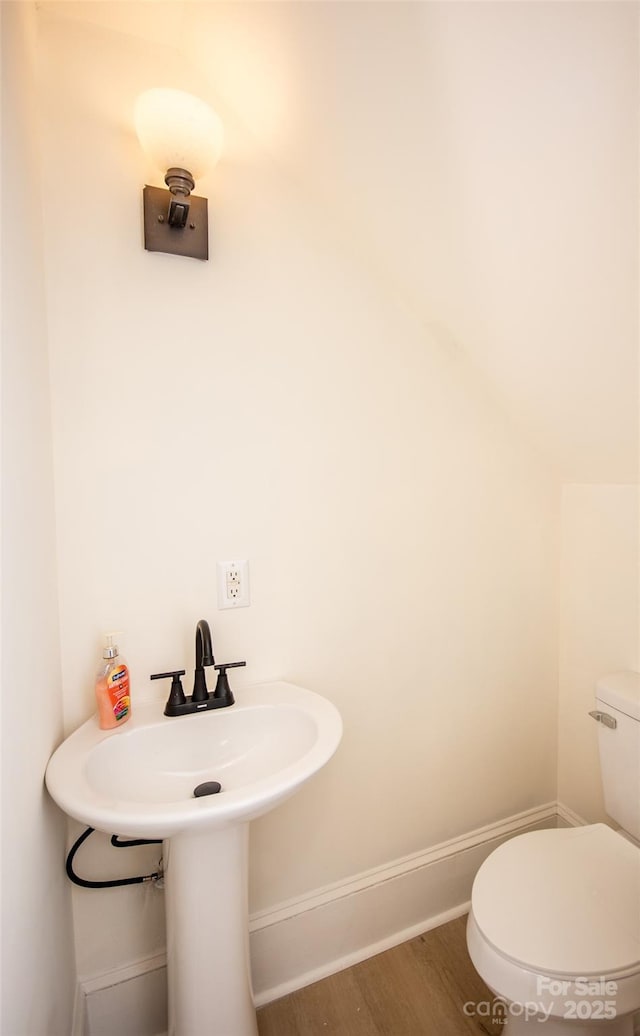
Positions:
(208, 969)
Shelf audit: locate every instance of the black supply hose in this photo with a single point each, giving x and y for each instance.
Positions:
(84, 883)
(120, 844)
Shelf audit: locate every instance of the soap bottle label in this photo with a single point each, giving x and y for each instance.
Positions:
(118, 688)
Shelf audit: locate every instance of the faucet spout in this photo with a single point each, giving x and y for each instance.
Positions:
(204, 645)
(204, 656)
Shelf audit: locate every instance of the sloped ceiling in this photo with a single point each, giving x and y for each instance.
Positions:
(485, 157)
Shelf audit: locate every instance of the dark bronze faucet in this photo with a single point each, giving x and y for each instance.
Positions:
(201, 700)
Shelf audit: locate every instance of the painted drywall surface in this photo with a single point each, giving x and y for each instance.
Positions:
(599, 630)
(38, 969)
(487, 155)
(279, 404)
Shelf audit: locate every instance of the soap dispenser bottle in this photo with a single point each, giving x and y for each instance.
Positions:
(112, 687)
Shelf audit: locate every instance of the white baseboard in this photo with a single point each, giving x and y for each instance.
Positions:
(333, 928)
(131, 1000)
(569, 817)
(316, 935)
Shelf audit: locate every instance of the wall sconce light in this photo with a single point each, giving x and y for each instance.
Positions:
(183, 137)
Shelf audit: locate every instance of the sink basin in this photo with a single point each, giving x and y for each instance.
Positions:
(139, 780)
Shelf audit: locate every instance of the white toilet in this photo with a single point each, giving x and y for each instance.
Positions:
(554, 926)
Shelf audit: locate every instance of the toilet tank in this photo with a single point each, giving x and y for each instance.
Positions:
(618, 699)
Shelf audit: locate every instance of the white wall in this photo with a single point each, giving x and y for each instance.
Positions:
(486, 156)
(599, 630)
(278, 404)
(37, 945)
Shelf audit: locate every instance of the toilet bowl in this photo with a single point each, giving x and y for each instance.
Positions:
(554, 930)
(554, 925)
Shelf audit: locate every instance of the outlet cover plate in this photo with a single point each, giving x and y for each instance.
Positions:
(233, 584)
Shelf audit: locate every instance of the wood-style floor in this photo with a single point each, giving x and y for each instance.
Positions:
(416, 989)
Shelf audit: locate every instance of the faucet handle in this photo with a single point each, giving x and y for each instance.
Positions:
(222, 686)
(176, 694)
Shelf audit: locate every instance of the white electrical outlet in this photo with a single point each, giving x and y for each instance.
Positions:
(233, 584)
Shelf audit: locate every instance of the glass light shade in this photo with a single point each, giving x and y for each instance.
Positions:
(178, 129)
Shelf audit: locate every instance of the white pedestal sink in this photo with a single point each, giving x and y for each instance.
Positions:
(139, 781)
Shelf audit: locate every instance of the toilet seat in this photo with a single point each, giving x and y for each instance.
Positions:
(563, 902)
(555, 996)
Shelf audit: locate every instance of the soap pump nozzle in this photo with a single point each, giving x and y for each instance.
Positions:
(111, 650)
